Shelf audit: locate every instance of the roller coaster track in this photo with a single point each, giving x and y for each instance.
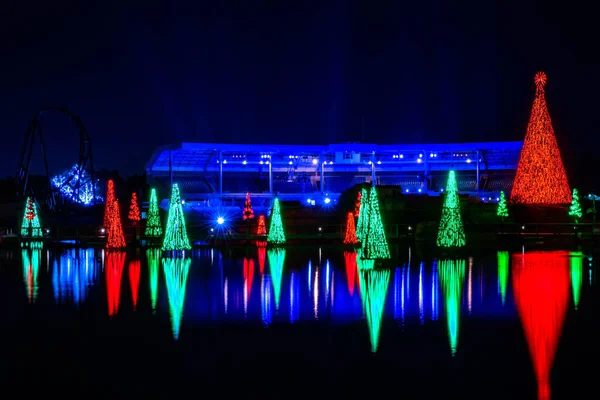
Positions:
(85, 161)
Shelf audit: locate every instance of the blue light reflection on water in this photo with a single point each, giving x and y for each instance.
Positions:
(312, 285)
(74, 271)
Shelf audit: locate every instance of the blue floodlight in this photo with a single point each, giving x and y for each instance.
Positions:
(327, 200)
(220, 220)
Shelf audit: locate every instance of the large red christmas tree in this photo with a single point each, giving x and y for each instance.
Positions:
(114, 228)
(350, 234)
(541, 176)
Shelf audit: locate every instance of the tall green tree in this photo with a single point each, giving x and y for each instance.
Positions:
(153, 224)
(276, 233)
(176, 237)
(451, 232)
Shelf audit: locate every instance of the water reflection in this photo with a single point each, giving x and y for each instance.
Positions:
(73, 272)
(176, 273)
(115, 263)
(339, 285)
(248, 278)
(350, 262)
(32, 259)
(276, 260)
(452, 275)
(153, 257)
(576, 276)
(541, 290)
(262, 251)
(294, 297)
(265, 299)
(134, 281)
(502, 274)
(374, 285)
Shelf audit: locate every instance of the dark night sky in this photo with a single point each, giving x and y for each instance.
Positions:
(145, 75)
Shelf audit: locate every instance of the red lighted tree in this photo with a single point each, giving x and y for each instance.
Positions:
(248, 211)
(262, 228)
(350, 236)
(357, 204)
(134, 210)
(114, 228)
(541, 176)
(110, 197)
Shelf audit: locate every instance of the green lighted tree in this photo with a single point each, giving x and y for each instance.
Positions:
(451, 232)
(31, 220)
(374, 245)
(176, 237)
(153, 224)
(575, 209)
(276, 234)
(363, 214)
(502, 208)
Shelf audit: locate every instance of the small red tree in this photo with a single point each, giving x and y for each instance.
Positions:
(134, 210)
(30, 214)
(357, 204)
(114, 228)
(350, 237)
(261, 229)
(248, 211)
(110, 198)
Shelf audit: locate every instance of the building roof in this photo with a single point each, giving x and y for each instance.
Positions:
(191, 156)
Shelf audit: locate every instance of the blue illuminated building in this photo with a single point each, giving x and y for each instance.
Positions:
(317, 174)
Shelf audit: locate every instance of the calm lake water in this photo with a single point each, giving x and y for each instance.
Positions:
(273, 323)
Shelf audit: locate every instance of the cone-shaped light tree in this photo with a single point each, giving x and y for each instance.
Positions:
(357, 204)
(134, 210)
(451, 232)
(575, 209)
(374, 243)
(541, 176)
(114, 228)
(276, 233)
(153, 224)
(248, 211)
(350, 234)
(110, 198)
(176, 237)
(363, 215)
(30, 227)
(261, 228)
(502, 210)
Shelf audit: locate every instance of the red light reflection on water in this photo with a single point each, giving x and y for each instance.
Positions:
(134, 280)
(115, 262)
(350, 261)
(541, 290)
(262, 254)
